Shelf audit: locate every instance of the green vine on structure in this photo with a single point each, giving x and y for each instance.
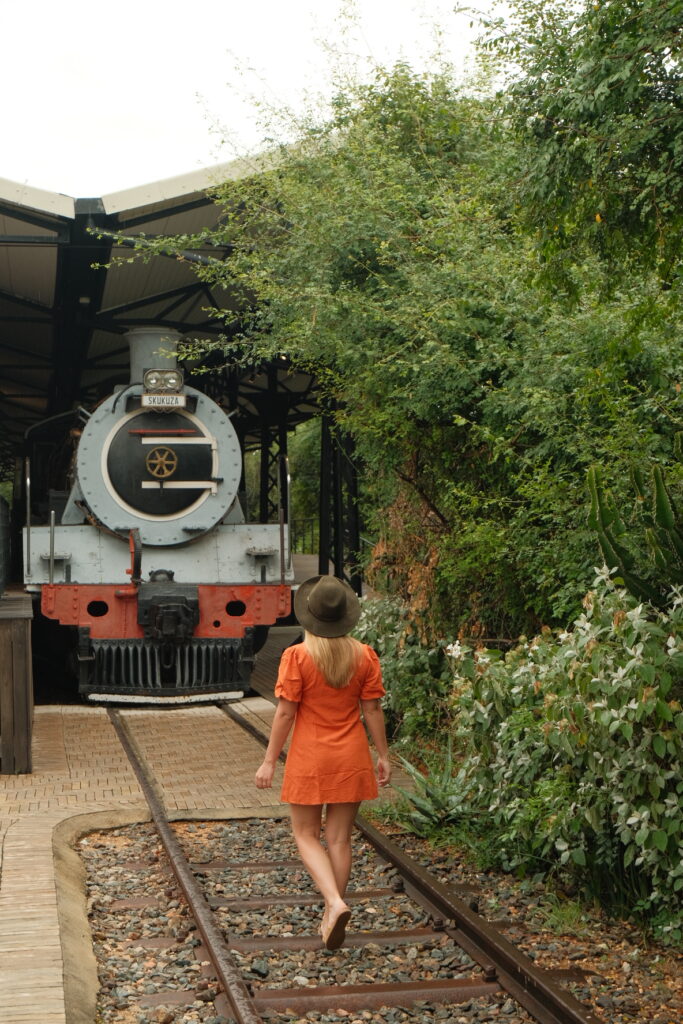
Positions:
(663, 532)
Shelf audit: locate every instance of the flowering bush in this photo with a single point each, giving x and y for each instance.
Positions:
(573, 746)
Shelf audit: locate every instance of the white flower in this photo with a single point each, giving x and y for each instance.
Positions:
(603, 574)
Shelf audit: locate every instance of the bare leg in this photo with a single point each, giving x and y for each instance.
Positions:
(306, 821)
(338, 828)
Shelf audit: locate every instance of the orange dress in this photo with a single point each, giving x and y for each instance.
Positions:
(329, 757)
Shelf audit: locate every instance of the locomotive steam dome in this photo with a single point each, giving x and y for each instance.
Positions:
(172, 474)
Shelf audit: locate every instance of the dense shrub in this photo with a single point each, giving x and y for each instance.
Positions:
(573, 747)
(417, 677)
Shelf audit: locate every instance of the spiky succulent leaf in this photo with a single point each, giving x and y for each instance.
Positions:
(654, 542)
(641, 589)
(678, 445)
(665, 515)
(600, 515)
(625, 557)
(638, 481)
(676, 541)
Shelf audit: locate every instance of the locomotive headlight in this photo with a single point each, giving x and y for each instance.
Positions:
(163, 380)
(174, 380)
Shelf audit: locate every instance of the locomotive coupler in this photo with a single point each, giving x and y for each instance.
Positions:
(167, 611)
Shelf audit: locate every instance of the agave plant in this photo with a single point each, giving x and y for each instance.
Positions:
(438, 797)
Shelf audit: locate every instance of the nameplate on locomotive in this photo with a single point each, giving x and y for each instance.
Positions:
(165, 401)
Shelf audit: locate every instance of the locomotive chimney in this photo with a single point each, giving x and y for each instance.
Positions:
(151, 348)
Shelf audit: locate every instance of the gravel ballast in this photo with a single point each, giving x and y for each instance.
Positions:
(146, 944)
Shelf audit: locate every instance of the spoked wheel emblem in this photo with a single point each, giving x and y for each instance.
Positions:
(162, 462)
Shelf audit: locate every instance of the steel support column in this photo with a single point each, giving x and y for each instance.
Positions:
(325, 532)
(339, 536)
(81, 276)
(273, 410)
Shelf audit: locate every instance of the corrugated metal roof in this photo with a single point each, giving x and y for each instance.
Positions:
(65, 303)
(28, 198)
(155, 195)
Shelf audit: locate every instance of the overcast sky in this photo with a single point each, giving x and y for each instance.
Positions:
(103, 96)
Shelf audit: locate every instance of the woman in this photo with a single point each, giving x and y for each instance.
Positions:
(322, 686)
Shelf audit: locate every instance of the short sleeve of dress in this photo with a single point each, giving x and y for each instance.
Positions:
(372, 687)
(289, 683)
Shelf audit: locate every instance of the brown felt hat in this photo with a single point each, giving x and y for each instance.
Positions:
(326, 606)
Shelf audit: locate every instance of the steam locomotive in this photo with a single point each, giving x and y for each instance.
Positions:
(143, 548)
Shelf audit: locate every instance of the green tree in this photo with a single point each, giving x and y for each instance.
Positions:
(386, 252)
(381, 252)
(595, 90)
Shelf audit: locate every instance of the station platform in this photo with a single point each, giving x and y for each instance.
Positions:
(81, 782)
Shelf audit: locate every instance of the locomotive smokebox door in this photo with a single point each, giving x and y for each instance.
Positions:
(171, 474)
(160, 464)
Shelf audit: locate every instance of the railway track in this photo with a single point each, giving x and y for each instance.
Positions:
(486, 963)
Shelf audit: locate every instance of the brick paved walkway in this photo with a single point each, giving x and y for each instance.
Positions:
(204, 763)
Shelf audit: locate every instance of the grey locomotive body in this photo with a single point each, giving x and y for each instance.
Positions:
(146, 552)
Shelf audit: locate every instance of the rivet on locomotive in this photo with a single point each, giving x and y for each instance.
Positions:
(145, 550)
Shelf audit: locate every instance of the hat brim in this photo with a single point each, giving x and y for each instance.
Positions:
(320, 627)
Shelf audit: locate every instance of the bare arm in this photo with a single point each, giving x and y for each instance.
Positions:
(285, 713)
(374, 719)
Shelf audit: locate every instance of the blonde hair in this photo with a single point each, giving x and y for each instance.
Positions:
(336, 658)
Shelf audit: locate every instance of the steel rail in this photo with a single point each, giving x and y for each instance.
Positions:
(229, 976)
(529, 985)
(517, 973)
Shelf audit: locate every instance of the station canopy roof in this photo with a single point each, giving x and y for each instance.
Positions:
(65, 308)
